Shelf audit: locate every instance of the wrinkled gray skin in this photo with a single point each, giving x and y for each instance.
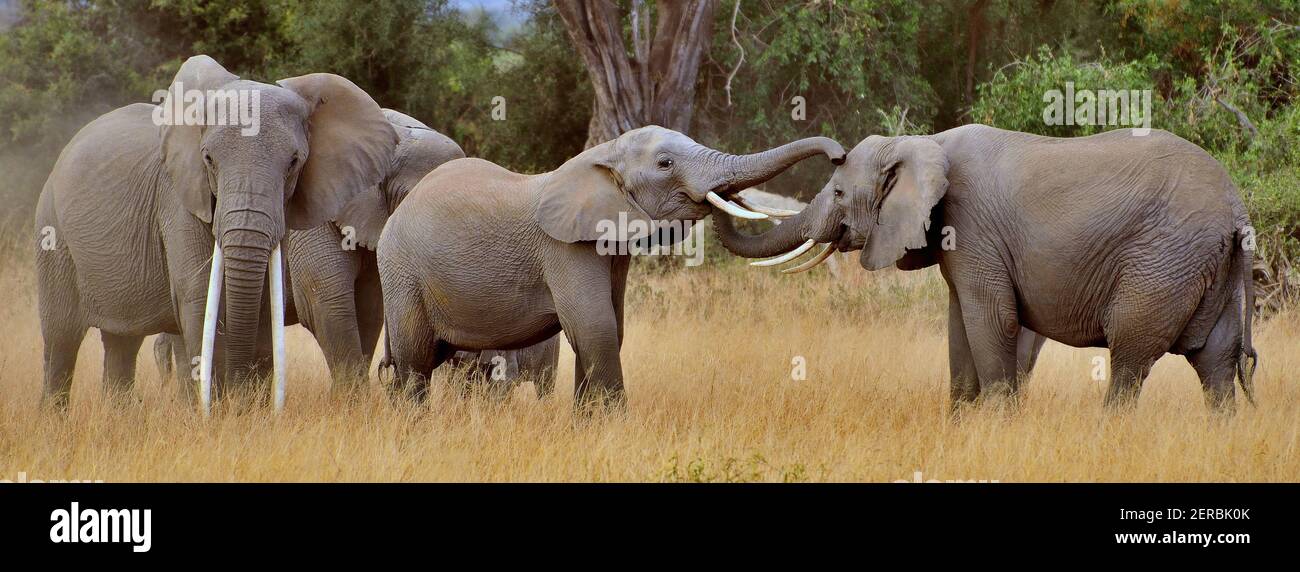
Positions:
(335, 287)
(478, 257)
(136, 208)
(1128, 242)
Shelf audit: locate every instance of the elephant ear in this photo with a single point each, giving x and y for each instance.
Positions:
(419, 151)
(584, 200)
(350, 148)
(921, 179)
(182, 143)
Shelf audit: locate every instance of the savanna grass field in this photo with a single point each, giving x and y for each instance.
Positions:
(710, 365)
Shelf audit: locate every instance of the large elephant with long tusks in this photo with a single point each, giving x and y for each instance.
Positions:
(1132, 240)
(478, 257)
(169, 218)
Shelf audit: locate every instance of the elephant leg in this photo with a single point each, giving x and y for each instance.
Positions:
(991, 330)
(416, 351)
(964, 383)
(340, 341)
(543, 361)
(592, 329)
(62, 326)
(1129, 366)
(119, 362)
(1216, 361)
(584, 297)
(164, 349)
(370, 312)
(1028, 344)
(1142, 324)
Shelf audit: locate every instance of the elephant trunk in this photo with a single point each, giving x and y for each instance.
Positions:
(782, 238)
(246, 253)
(744, 171)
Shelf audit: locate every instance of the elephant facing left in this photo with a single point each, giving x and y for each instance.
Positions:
(137, 211)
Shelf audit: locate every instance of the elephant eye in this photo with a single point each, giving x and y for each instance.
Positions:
(665, 163)
(293, 161)
(839, 193)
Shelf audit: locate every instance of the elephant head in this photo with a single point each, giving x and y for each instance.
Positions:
(654, 175)
(878, 201)
(419, 151)
(315, 142)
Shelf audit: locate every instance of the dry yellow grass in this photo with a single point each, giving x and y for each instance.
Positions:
(708, 365)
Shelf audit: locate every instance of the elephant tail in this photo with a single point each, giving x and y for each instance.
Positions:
(386, 361)
(1247, 358)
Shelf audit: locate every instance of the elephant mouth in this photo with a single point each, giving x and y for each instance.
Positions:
(848, 239)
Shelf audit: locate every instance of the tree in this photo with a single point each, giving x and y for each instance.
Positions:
(652, 82)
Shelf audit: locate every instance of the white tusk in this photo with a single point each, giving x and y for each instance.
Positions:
(821, 257)
(211, 307)
(769, 211)
(733, 209)
(277, 328)
(793, 254)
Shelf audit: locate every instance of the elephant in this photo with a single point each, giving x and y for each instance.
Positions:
(479, 257)
(151, 210)
(1137, 243)
(500, 370)
(334, 281)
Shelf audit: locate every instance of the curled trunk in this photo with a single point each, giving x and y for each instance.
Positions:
(744, 171)
(781, 239)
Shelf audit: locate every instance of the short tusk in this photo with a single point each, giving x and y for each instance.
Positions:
(760, 209)
(733, 209)
(277, 328)
(793, 254)
(211, 307)
(827, 251)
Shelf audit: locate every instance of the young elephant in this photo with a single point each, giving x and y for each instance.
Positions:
(478, 257)
(1135, 243)
(152, 211)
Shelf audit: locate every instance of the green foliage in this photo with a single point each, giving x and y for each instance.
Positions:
(848, 60)
(1020, 96)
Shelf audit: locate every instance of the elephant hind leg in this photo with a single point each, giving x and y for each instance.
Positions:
(62, 323)
(1216, 361)
(1143, 321)
(119, 362)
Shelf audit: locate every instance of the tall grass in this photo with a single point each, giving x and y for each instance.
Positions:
(708, 361)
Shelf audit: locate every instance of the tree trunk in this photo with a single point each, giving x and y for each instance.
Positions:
(653, 82)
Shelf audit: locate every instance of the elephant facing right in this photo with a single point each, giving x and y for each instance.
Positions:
(1138, 243)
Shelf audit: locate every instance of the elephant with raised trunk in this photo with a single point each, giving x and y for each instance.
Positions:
(1135, 243)
(478, 257)
(142, 209)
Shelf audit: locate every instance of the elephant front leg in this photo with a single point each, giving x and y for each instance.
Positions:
(992, 327)
(964, 383)
(591, 327)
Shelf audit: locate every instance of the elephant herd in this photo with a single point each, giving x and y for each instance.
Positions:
(352, 219)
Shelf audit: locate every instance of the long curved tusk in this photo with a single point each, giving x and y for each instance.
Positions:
(769, 211)
(277, 328)
(732, 208)
(793, 254)
(827, 251)
(211, 307)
